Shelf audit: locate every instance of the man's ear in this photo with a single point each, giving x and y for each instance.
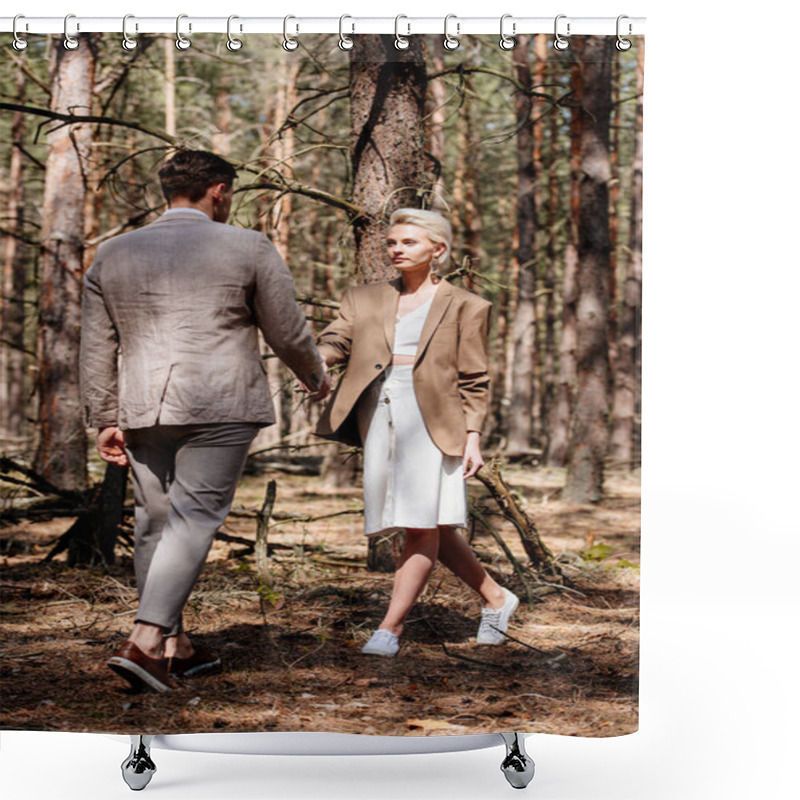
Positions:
(218, 191)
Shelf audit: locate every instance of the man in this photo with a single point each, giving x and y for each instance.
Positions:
(173, 380)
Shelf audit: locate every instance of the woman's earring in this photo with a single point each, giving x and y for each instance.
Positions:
(434, 263)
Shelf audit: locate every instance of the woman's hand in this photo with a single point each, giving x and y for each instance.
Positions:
(111, 446)
(472, 458)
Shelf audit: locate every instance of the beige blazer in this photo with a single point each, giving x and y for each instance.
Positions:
(451, 377)
(171, 314)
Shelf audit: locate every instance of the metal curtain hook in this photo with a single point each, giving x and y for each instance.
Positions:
(559, 42)
(451, 42)
(290, 43)
(233, 44)
(623, 44)
(19, 43)
(181, 42)
(128, 43)
(70, 42)
(401, 42)
(345, 42)
(507, 42)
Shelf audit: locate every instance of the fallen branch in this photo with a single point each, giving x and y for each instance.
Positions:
(37, 482)
(540, 556)
(470, 660)
(518, 568)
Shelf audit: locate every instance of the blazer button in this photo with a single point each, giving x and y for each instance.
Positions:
(379, 366)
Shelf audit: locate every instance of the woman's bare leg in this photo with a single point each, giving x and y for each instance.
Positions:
(413, 570)
(456, 554)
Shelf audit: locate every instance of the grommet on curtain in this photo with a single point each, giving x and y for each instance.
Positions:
(181, 42)
(451, 42)
(70, 42)
(559, 42)
(623, 44)
(289, 43)
(128, 42)
(345, 42)
(233, 43)
(400, 42)
(19, 43)
(507, 42)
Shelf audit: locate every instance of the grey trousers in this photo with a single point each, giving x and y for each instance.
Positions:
(184, 479)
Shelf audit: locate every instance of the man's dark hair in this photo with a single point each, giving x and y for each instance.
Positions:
(189, 174)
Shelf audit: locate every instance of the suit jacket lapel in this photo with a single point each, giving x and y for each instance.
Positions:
(441, 300)
(390, 297)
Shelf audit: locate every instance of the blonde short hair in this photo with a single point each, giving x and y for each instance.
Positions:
(433, 223)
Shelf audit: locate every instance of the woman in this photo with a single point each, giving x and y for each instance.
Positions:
(415, 394)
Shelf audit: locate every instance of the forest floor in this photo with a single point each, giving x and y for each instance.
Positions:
(292, 659)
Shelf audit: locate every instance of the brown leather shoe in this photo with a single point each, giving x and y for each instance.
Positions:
(141, 670)
(202, 660)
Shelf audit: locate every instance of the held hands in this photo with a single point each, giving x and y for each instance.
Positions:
(110, 445)
(472, 459)
(322, 390)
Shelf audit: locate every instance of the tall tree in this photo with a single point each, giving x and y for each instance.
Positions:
(170, 116)
(626, 372)
(559, 433)
(61, 452)
(387, 108)
(589, 438)
(550, 313)
(436, 117)
(520, 421)
(12, 348)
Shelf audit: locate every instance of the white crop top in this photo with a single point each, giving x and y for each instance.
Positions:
(408, 329)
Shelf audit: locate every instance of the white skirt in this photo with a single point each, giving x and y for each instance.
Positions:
(408, 481)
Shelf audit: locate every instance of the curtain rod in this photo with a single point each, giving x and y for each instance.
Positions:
(296, 26)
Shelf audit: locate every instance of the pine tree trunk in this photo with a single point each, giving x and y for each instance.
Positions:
(520, 429)
(613, 210)
(550, 313)
(589, 439)
(558, 446)
(626, 374)
(436, 115)
(12, 363)
(221, 137)
(387, 107)
(170, 117)
(61, 454)
(473, 222)
(497, 427)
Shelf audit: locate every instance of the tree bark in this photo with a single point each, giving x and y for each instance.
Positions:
(387, 106)
(170, 117)
(549, 369)
(61, 453)
(589, 439)
(626, 374)
(12, 377)
(558, 445)
(520, 422)
(437, 100)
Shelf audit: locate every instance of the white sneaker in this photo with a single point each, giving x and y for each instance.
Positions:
(494, 621)
(382, 643)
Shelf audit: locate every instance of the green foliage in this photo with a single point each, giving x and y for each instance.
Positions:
(597, 552)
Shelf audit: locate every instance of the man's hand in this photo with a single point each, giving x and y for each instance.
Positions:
(324, 388)
(110, 445)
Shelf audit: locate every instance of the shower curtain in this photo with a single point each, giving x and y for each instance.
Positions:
(534, 155)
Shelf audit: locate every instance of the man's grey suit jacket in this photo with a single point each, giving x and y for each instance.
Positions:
(170, 319)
